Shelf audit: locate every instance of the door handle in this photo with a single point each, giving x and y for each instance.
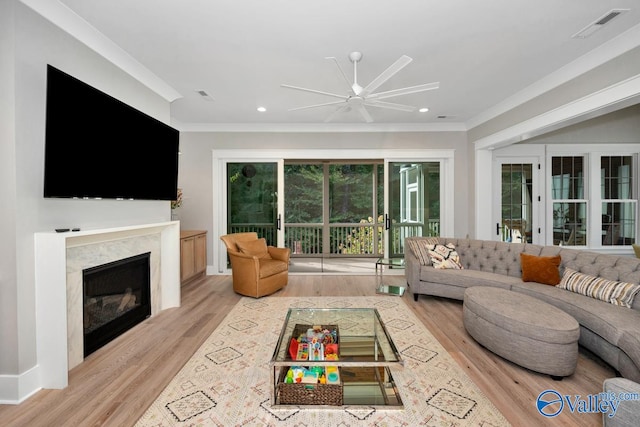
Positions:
(279, 222)
(387, 222)
(497, 228)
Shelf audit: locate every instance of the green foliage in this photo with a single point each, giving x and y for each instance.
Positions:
(361, 240)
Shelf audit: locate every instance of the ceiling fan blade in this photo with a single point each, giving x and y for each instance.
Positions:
(404, 91)
(337, 111)
(315, 91)
(386, 75)
(316, 105)
(346, 79)
(390, 105)
(364, 113)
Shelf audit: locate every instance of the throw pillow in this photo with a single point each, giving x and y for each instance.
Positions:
(617, 293)
(445, 256)
(541, 269)
(420, 248)
(257, 248)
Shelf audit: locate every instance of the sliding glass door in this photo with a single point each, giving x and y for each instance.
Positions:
(333, 208)
(252, 199)
(322, 208)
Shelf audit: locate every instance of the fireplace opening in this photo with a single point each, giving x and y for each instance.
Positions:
(116, 298)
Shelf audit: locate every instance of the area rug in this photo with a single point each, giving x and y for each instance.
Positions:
(226, 382)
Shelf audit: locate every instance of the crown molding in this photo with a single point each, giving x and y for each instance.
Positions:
(68, 21)
(613, 48)
(318, 127)
(612, 98)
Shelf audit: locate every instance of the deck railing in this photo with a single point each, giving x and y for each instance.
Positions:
(360, 239)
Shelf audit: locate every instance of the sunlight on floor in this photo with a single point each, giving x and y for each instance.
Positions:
(361, 266)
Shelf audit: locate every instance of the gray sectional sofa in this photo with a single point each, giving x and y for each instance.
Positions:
(612, 332)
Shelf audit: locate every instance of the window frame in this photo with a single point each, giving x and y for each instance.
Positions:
(633, 199)
(592, 189)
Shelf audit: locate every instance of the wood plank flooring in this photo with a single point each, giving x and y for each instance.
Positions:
(115, 385)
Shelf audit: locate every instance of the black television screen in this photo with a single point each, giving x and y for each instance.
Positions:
(99, 147)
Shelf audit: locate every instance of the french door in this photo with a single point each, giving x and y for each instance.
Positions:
(413, 202)
(518, 201)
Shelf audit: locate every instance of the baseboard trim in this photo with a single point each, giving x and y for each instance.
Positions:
(15, 389)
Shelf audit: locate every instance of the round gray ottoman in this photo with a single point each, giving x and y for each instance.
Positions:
(522, 329)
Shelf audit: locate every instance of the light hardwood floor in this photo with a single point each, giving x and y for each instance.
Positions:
(116, 384)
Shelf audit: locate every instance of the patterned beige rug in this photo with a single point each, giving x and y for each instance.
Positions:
(226, 382)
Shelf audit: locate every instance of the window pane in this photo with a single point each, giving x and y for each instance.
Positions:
(616, 183)
(433, 197)
(567, 178)
(618, 223)
(616, 175)
(569, 224)
(252, 199)
(350, 193)
(517, 213)
(303, 194)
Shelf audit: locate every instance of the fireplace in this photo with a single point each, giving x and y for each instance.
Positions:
(116, 297)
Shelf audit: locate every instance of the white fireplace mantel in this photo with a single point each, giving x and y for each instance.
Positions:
(51, 287)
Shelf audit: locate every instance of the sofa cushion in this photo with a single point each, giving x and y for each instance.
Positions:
(630, 344)
(269, 267)
(614, 292)
(604, 319)
(540, 269)
(467, 278)
(444, 256)
(257, 248)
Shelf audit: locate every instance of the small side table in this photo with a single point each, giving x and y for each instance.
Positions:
(381, 288)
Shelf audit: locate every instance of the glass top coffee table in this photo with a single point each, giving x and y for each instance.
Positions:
(383, 288)
(334, 357)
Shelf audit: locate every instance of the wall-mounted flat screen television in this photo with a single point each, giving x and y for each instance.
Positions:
(99, 147)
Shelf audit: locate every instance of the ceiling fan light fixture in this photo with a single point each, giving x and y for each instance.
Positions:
(355, 56)
(360, 97)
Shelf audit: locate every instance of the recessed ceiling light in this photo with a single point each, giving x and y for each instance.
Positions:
(423, 110)
(261, 109)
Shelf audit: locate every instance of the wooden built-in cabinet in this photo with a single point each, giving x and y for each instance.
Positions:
(193, 254)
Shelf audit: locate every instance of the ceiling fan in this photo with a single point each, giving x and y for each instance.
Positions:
(361, 97)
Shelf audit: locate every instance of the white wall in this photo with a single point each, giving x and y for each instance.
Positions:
(196, 160)
(8, 289)
(23, 73)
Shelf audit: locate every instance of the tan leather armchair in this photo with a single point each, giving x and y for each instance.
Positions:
(257, 269)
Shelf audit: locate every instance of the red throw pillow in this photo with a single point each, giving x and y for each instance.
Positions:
(541, 269)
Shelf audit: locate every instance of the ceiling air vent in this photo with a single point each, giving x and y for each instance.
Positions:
(204, 95)
(598, 23)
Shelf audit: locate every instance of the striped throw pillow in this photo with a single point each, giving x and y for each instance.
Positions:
(420, 248)
(617, 293)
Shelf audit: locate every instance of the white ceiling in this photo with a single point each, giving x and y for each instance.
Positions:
(483, 53)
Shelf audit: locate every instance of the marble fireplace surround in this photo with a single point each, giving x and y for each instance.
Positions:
(60, 259)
